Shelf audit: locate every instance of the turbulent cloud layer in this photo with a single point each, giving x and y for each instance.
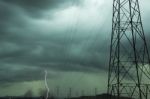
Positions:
(57, 35)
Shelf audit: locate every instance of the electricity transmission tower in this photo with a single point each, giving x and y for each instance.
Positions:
(129, 69)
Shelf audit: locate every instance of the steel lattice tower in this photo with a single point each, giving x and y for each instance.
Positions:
(129, 69)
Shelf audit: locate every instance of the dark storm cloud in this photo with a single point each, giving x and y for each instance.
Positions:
(53, 54)
(25, 51)
(17, 75)
(27, 48)
(39, 4)
(35, 8)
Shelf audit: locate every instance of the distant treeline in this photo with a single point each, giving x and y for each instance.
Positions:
(103, 96)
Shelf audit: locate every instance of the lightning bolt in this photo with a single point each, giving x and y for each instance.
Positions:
(46, 85)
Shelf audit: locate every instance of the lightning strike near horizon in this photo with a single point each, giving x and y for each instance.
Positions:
(46, 85)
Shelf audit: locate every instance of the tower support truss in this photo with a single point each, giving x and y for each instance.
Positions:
(129, 65)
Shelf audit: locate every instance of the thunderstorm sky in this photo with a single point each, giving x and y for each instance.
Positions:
(68, 38)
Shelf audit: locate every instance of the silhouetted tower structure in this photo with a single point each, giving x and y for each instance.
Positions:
(95, 91)
(129, 69)
(82, 93)
(57, 91)
(70, 93)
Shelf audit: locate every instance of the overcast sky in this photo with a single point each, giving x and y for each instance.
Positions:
(68, 38)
